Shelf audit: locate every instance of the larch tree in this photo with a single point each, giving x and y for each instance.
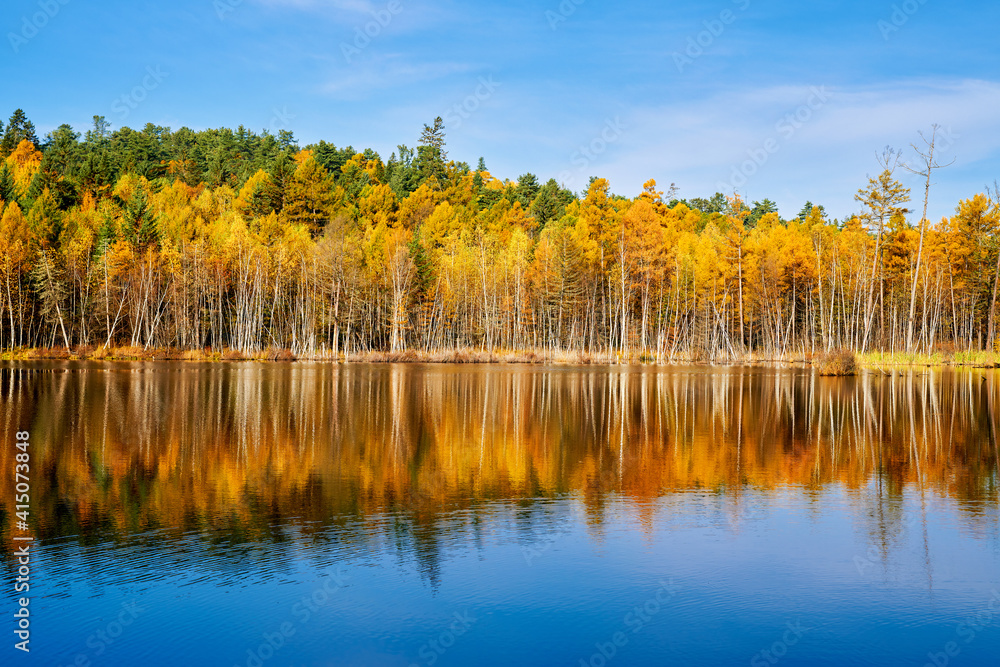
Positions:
(882, 198)
(308, 196)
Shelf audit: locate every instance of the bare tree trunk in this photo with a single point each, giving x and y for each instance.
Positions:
(929, 167)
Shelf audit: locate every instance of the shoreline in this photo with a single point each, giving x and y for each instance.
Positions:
(870, 360)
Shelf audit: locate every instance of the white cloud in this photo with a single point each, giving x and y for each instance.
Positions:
(823, 156)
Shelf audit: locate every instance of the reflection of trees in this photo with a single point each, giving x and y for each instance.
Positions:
(242, 452)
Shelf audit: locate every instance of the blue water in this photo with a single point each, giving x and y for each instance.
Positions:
(871, 571)
(552, 590)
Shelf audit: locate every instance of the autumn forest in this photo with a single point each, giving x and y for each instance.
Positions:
(237, 241)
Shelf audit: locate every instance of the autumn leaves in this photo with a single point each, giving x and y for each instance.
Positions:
(366, 255)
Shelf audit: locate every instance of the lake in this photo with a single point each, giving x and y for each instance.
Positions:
(244, 514)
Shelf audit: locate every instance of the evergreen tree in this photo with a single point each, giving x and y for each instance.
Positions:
(281, 173)
(61, 150)
(19, 128)
(286, 139)
(8, 191)
(138, 220)
(331, 157)
(527, 189)
(431, 155)
(99, 132)
(550, 203)
(402, 175)
(759, 210)
(717, 204)
(807, 209)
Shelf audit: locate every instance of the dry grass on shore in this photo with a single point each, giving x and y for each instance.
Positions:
(837, 363)
(834, 363)
(136, 353)
(444, 356)
(478, 356)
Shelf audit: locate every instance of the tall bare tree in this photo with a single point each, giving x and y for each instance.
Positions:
(928, 166)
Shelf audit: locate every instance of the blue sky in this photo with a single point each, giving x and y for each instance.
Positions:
(785, 100)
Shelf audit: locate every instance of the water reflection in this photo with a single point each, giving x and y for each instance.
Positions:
(238, 453)
(548, 502)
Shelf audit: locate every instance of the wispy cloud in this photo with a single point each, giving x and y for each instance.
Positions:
(387, 71)
(828, 155)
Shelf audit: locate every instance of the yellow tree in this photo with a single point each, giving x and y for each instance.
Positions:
(641, 255)
(14, 256)
(823, 236)
(77, 244)
(898, 259)
(378, 204)
(256, 197)
(883, 198)
(24, 163)
(557, 277)
(400, 270)
(418, 206)
(736, 234)
(603, 222)
(516, 261)
(972, 251)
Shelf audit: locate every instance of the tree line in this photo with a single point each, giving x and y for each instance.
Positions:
(230, 239)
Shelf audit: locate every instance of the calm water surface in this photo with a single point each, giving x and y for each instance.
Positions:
(249, 515)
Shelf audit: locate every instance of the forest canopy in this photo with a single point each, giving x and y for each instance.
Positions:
(231, 239)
